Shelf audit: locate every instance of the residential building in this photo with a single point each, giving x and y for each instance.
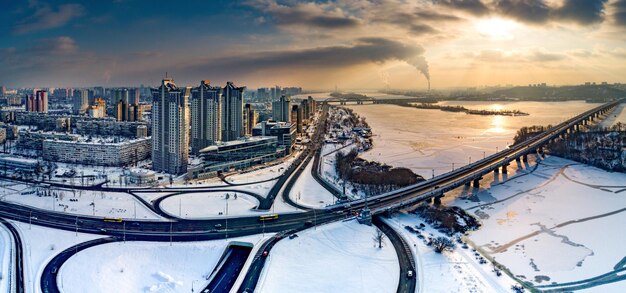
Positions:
(100, 153)
(38, 102)
(206, 116)
(281, 109)
(250, 118)
(232, 112)
(296, 117)
(169, 128)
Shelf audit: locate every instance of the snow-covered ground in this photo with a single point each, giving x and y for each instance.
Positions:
(456, 271)
(431, 140)
(265, 173)
(329, 173)
(338, 257)
(6, 260)
(617, 115)
(210, 204)
(145, 266)
(308, 192)
(80, 202)
(562, 206)
(40, 245)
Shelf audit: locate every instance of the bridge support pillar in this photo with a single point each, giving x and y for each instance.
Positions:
(468, 183)
(476, 183)
(437, 200)
(504, 169)
(496, 170)
(525, 158)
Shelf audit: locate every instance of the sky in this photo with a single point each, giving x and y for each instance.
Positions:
(350, 44)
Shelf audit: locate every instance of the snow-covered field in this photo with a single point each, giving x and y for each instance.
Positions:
(262, 174)
(457, 271)
(210, 204)
(41, 245)
(561, 223)
(432, 140)
(6, 260)
(617, 115)
(338, 257)
(144, 266)
(307, 192)
(80, 202)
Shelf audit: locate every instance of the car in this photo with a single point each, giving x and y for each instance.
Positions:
(213, 231)
(308, 223)
(409, 274)
(54, 270)
(265, 253)
(218, 226)
(103, 230)
(292, 236)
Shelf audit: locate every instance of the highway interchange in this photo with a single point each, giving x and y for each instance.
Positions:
(175, 229)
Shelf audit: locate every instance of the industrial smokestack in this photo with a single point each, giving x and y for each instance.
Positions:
(419, 62)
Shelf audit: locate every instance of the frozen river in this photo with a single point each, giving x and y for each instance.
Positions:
(428, 141)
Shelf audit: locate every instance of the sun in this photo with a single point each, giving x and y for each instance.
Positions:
(496, 28)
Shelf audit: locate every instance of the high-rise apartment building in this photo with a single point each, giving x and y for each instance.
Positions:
(296, 117)
(250, 118)
(170, 150)
(98, 109)
(311, 105)
(232, 112)
(80, 102)
(206, 116)
(281, 109)
(126, 104)
(38, 102)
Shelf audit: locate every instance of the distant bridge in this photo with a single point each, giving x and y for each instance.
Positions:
(360, 100)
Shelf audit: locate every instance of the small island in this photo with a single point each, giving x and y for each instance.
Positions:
(466, 110)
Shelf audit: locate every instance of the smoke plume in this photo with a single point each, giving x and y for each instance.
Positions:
(420, 63)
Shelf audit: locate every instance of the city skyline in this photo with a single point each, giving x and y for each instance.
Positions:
(316, 45)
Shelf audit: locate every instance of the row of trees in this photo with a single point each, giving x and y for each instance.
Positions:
(351, 168)
(527, 132)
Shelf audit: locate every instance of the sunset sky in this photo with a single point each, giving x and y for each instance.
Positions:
(313, 44)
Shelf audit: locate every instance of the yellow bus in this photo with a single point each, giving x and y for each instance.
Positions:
(268, 217)
(117, 220)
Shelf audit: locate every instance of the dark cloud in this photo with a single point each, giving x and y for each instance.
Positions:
(434, 16)
(363, 51)
(305, 15)
(44, 17)
(48, 59)
(475, 7)
(532, 11)
(538, 11)
(619, 14)
(332, 22)
(582, 11)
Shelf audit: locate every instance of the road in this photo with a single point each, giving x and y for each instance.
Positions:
(405, 257)
(49, 275)
(229, 269)
(20, 287)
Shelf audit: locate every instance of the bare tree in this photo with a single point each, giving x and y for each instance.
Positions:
(442, 244)
(379, 238)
